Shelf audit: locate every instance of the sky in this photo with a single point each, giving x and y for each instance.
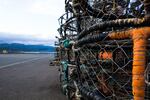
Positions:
(30, 21)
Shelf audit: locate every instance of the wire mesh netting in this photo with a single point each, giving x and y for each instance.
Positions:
(104, 49)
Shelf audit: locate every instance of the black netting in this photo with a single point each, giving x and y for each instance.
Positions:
(99, 51)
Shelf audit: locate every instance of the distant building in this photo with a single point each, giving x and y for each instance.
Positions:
(4, 51)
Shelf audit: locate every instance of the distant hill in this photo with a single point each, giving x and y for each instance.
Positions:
(16, 47)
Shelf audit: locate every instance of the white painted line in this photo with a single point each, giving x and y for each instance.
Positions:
(17, 63)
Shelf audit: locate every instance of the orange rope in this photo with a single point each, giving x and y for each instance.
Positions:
(139, 37)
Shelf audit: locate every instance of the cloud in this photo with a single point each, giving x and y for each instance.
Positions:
(48, 7)
(30, 21)
(25, 39)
